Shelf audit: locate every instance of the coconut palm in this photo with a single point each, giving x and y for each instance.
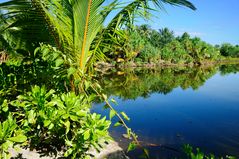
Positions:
(74, 26)
(167, 36)
(145, 30)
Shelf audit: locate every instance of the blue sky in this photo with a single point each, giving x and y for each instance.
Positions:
(215, 21)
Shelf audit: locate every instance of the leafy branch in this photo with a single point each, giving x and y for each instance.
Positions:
(122, 117)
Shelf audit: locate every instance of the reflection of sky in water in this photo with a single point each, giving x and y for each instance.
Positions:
(207, 118)
(226, 87)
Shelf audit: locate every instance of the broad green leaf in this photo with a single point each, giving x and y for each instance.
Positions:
(19, 138)
(6, 145)
(74, 117)
(68, 152)
(71, 71)
(87, 85)
(88, 157)
(112, 114)
(51, 126)
(131, 146)
(59, 62)
(118, 124)
(81, 113)
(65, 116)
(46, 123)
(68, 143)
(5, 106)
(45, 52)
(86, 134)
(67, 124)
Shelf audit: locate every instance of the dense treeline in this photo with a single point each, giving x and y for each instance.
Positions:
(229, 50)
(151, 46)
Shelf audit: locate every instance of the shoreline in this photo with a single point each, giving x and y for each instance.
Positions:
(112, 150)
(104, 66)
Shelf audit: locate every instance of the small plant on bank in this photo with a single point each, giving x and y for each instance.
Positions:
(62, 122)
(191, 154)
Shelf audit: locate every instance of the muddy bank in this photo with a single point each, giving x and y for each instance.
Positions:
(104, 66)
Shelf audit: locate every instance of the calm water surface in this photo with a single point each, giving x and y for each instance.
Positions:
(172, 107)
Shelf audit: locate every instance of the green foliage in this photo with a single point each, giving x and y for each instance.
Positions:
(166, 36)
(70, 45)
(151, 46)
(174, 52)
(46, 67)
(135, 43)
(46, 117)
(131, 147)
(49, 116)
(191, 154)
(10, 135)
(229, 50)
(149, 53)
(227, 69)
(57, 22)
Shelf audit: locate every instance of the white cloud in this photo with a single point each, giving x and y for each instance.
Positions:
(191, 33)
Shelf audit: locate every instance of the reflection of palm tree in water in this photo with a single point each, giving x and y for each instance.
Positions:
(142, 83)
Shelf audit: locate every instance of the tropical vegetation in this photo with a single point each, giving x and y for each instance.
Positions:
(47, 51)
(198, 154)
(148, 46)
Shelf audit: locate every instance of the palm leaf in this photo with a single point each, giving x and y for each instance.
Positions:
(75, 26)
(87, 23)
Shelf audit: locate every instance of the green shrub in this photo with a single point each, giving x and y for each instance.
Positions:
(149, 53)
(57, 120)
(191, 154)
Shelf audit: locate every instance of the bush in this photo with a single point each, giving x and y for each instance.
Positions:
(149, 53)
(229, 50)
(55, 121)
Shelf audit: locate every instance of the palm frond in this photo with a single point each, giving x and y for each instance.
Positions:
(87, 23)
(143, 8)
(75, 26)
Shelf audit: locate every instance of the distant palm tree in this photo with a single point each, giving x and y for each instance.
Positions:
(144, 30)
(185, 36)
(74, 26)
(166, 36)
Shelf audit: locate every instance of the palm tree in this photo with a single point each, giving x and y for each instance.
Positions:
(145, 30)
(185, 36)
(167, 36)
(74, 26)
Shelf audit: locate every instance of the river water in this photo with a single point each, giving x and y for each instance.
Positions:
(170, 107)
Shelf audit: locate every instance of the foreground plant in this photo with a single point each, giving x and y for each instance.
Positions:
(54, 122)
(10, 136)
